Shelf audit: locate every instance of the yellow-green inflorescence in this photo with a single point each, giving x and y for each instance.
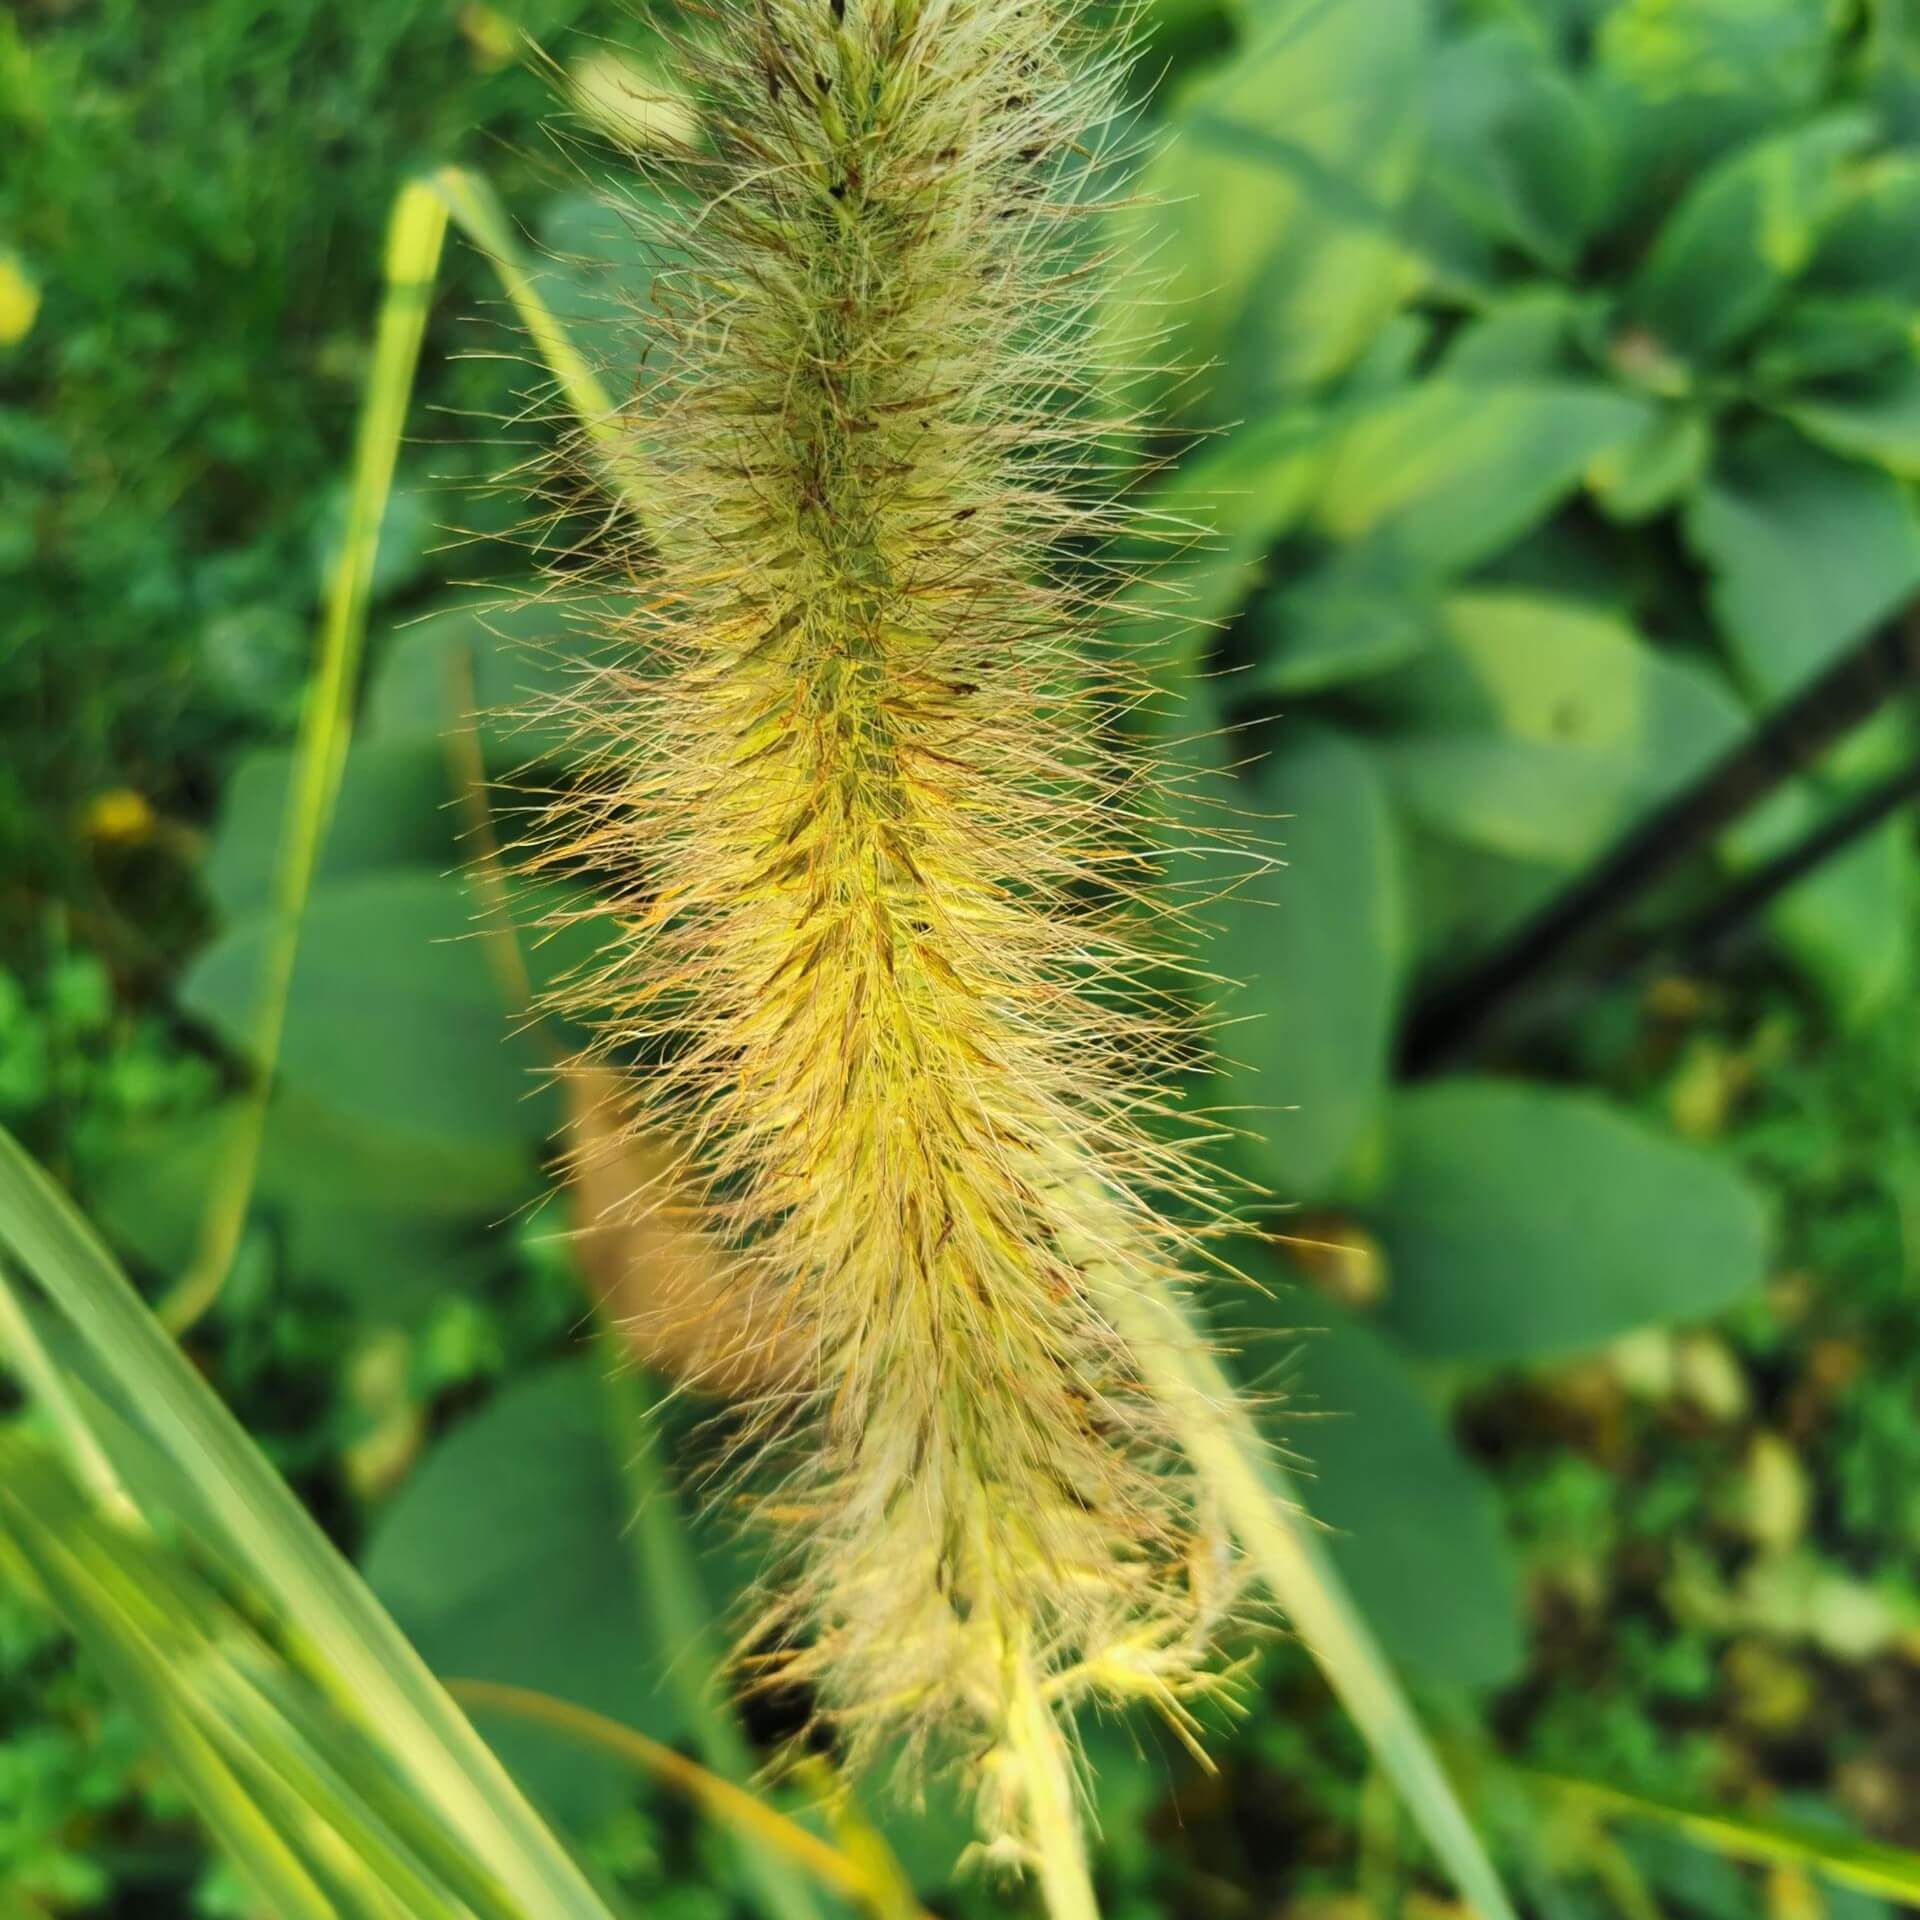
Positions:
(879, 877)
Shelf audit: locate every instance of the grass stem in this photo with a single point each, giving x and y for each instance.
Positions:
(416, 233)
(664, 1561)
(1053, 1828)
(1227, 1450)
(475, 208)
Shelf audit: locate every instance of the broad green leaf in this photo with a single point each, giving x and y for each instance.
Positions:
(469, 201)
(1390, 361)
(1659, 465)
(1528, 800)
(412, 527)
(1413, 1527)
(1280, 186)
(1570, 558)
(1806, 552)
(1463, 897)
(1522, 1221)
(1889, 72)
(503, 1557)
(1314, 950)
(392, 810)
(395, 1013)
(1867, 248)
(1740, 236)
(1849, 923)
(1208, 530)
(1764, 49)
(1251, 485)
(1458, 264)
(1681, 84)
(1516, 147)
(1829, 337)
(1451, 471)
(389, 1221)
(1520, 336)
(595, 273)
(1559, 670)
(1540, 727)
(507, 663)
(1876, 418)
(254, 660)
(1355, 617)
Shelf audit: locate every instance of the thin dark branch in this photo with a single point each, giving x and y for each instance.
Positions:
(1461, 1013)
(1710, 929)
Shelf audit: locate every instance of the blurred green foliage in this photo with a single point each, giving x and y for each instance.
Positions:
(1569, 354)
(200, 196)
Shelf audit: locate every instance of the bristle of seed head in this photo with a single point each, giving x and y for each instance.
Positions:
(878, 871)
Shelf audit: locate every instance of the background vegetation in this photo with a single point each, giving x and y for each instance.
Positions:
(1565, 356)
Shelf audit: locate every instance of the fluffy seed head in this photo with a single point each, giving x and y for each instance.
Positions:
(878, 870)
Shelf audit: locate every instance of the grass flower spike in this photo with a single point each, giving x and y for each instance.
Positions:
(878, 874)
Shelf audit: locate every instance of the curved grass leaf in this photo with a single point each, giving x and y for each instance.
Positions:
(313, 1814)
(1218, 1435)
(415, 232)
(1890, 1871)
(762, 1827)
(265, 1530)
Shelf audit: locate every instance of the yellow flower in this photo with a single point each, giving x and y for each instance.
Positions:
(19, 300)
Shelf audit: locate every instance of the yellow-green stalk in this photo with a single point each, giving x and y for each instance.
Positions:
(878, 876)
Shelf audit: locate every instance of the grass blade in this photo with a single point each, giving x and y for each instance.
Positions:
(42, 1520)
(416, 233)
(57, 1397)
(1053, 1828)
(723, 1801)
(1891, 1872)
(285, 1552)
(666, 1567)
(476, 210)
(1228, 1452)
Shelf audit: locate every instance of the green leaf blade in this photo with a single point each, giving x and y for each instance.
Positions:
(1521, 1221)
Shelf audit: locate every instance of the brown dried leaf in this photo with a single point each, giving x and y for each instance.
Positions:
(656, 1276)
